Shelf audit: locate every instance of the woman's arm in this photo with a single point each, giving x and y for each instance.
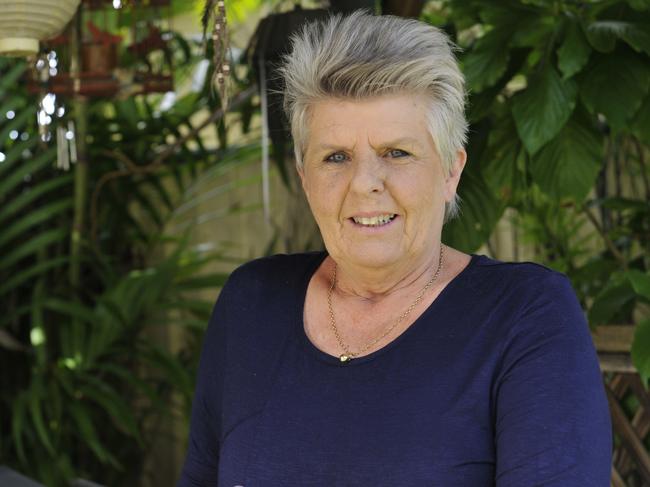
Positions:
(202, 459)
(553, 426)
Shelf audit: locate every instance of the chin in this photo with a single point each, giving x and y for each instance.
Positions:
(373, 257)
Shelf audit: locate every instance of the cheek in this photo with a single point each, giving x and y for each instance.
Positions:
(322, 201)
(328, 193)
(422, 197)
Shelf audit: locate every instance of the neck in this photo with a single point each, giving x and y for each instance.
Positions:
(376, 283)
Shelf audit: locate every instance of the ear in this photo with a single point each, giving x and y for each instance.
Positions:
(452, 180)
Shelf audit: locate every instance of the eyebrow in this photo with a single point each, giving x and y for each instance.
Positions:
(402, 141)
(392, 143)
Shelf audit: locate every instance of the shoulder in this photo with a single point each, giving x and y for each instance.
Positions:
(277, 268)
(530, 279)
(532, 303)
(513, 270)
(272, 277)
(264, 291)
(516, 296)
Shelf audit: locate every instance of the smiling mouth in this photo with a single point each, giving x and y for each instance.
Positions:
(374, 221)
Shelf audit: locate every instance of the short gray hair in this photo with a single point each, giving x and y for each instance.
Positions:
(360, 56)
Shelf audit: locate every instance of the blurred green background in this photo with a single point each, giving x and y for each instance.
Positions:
(109, 266)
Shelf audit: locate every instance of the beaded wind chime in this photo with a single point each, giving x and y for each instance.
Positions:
(215, 13)
(97, 71)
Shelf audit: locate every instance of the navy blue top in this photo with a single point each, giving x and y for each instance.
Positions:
(496, 383)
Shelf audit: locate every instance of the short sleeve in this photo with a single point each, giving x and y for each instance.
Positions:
(200, 468)
(552, 422)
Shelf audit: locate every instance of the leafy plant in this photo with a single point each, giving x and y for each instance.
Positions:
(82, 377)
(559, 109)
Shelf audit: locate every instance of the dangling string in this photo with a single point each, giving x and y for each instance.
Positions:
(266, 194)
(221, 48)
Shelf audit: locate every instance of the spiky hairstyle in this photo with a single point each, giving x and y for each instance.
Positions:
(361, 56)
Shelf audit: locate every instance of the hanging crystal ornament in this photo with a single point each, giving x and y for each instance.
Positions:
(62, 149)
(71, 135)
(66, 146)
(41, 72)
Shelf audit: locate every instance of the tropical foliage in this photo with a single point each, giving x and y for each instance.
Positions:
(83, 377)
(560, 116)
(559, 109)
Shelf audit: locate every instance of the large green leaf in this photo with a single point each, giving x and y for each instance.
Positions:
(640, 282)
(641, 350)
(502, 14)
(568, 165)
(501, 165)
(486, 103)
(615, 86)
(574, 52)
(638, 36)
(602, 34)
(543, 108)
(615, 296)
(488, 60)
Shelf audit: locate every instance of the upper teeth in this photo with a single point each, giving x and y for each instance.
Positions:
(373, 220)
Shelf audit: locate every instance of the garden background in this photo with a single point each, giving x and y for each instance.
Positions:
(122, 212)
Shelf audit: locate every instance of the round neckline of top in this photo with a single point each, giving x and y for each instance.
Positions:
(316, 352)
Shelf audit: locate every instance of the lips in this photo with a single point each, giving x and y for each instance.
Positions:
(376, 220)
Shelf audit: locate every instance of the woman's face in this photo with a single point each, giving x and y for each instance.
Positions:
(374, 180)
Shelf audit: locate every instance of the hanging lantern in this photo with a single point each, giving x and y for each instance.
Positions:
(25, 22)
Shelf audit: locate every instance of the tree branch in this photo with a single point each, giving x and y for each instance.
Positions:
(608, 242)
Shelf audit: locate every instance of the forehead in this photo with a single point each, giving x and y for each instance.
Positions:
(374, 119)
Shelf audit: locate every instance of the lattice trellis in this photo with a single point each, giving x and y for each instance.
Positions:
(629, 405)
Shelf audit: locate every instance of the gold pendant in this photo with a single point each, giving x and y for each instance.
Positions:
(345, 358)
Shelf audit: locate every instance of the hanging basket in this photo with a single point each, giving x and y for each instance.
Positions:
(23, 23)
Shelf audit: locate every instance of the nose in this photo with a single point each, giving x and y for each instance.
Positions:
(368, 175)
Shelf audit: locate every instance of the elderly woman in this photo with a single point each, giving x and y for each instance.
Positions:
(391, 359)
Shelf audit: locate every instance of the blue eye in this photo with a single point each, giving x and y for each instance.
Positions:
(397, 153)
(336, 157)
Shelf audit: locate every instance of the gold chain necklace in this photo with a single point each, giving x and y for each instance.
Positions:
(348, 355)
